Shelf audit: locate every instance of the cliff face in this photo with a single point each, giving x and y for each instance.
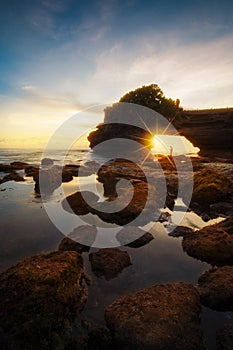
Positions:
(210, 130)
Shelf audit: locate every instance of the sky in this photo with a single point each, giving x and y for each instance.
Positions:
(60, 57)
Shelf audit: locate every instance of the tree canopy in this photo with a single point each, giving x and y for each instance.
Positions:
(152, 96)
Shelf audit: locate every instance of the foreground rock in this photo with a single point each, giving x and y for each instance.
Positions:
(216, 288)
(163, 317)
(109, 262)
(212, 244)
(39, 297)
(224, 339)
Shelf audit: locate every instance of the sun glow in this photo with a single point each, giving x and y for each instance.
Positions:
(172, 145)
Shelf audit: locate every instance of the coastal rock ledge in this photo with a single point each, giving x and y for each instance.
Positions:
(162, 317)
(39, 298)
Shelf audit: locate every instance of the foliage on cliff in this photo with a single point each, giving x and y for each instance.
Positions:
(152, 96)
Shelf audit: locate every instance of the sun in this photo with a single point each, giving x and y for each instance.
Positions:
(160, 146)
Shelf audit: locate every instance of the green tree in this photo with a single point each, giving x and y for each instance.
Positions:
(152, 96)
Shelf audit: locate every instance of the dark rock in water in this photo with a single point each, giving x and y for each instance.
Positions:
(133, 237)
(216, 288)
(224, 338)
(209, 187)
(76, 203)
(7, 168)
(39, 298)
(212, 244)
(165, 317)
(72, 168)
(181, 231)
(222, 209)
(109, 262)
(67, 176)
(99, 338)
(125, 209)
(13, 176)
(47, 180)
(31, 170)
(18, 165)
(84, 234)
(68, 244)
(47, 161)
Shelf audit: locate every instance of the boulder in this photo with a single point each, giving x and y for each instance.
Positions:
(47, 161)
(75, 203)
(216, 288)
(13, 176)
(39, 298)
(181, 231)
(212, 244)
(163, 317)
(109, 262)
(209, 187)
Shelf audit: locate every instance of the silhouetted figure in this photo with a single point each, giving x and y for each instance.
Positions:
(171, 151)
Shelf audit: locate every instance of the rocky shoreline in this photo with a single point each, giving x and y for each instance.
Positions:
(42, 295)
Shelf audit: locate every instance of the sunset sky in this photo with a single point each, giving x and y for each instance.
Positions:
(59, 57)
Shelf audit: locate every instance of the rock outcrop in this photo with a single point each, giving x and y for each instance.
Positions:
(216, 288)
(212, 244)
(109, 262)
(39, 297)
(210, 130)
(163, 317)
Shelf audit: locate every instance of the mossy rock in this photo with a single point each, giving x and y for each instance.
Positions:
(39, 298)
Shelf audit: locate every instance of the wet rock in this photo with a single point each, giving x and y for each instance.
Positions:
(31, 170)
(47, 180)
(160, 317)
(80, 239)
(222, 209)
(72, 168)
(109, 262)
(99, 338)
(18, 165)
(13, 176)
(67, 176)
(181, 231)
(212, 244)
(209, 187)
(216, 288)
(133, 237)
(76, 203)
(224, 338)
(39, 298)
(133, 199)
(47, 161)
(84, 234)
(7, 168)
(68, 244)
